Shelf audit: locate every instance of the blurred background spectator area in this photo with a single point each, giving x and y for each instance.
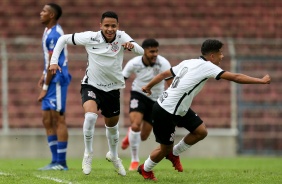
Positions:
(250, 30)
(158, 18)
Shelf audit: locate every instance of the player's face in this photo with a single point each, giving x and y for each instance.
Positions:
(151, 54)
(109, 27)
(217, 57)
(46, 14)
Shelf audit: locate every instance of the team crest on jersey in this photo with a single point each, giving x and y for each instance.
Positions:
(91, 94)
(133, 103)
(115, 47)
(156, 71)
(52, 45)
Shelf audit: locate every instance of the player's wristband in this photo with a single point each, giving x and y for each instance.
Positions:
(45, 87)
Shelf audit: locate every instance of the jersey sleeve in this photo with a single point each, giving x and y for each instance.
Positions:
(176, 68)
(213, 71)
(83, 38)
(128, 69)
(165, 65)
(137, 48)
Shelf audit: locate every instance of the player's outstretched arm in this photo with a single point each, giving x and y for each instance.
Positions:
(62, 41)
(245, 79)
(134, 47)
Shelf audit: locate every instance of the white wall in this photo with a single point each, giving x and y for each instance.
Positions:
(31, 143)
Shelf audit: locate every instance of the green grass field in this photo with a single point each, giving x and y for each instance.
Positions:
(241, 170)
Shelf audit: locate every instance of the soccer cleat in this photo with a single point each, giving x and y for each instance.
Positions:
(60, 167)
(133, 166)
(117, 164)
(47, 167)
(87, 163)
(175, 160)
(125, 141)
(146, 175)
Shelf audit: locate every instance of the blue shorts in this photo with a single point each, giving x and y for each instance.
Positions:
(55, 98)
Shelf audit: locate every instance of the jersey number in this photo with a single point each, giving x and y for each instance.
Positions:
(177, 78)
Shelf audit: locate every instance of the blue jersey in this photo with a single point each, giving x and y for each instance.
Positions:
(49, 40)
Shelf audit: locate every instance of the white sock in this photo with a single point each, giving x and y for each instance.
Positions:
(134, 142)
(88, 131)
(112, 134)
(149, 164)
(180, 147)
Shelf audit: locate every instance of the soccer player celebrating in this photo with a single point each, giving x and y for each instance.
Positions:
(145, 68)
(173, 107)
(102, 81)
(54, 89)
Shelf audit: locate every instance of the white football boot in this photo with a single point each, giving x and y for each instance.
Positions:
(87, 163)
(117, 164)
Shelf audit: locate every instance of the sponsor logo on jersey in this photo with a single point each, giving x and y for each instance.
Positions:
(95, 39)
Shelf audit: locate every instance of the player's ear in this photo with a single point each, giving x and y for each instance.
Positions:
(211, 56)
(52, 15)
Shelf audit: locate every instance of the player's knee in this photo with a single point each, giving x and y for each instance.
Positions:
(144, 137)
(91, 117)
(90, 120)
(135, 127)
(202, 134)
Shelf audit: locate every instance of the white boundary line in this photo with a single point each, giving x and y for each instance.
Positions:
(53, 179)
(5, 174)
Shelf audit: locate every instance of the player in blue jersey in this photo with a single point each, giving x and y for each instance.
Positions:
(54, 89)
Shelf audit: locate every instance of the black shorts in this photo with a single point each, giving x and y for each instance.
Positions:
(164, 123)
(141, 103)
(108, 102)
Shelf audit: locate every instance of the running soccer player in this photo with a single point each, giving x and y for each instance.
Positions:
(54, 89)
(173, 107)
(102, 81)
(145, 68)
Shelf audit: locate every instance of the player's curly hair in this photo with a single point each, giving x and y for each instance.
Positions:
(210, 46)
(57, 9)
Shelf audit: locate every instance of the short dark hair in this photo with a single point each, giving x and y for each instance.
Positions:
(57, 9)
(150, 42)
(210, 46)
(109, 14)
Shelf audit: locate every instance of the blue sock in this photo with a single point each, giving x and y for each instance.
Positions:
(52, 142)
(62, 153)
